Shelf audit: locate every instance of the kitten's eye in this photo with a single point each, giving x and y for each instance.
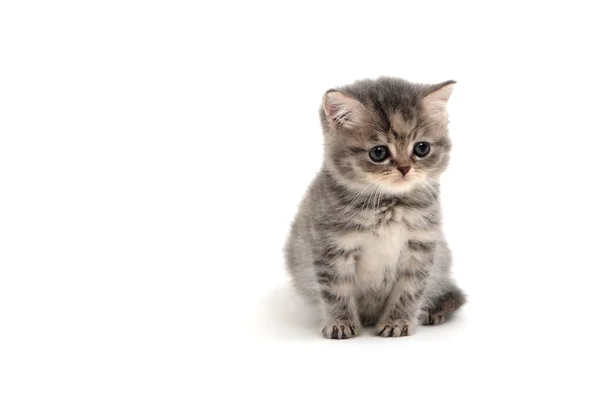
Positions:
(421, 149)
(379, 153)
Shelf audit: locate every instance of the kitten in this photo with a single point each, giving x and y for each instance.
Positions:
(367, 243)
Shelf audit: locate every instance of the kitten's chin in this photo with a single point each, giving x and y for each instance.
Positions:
(401, 186)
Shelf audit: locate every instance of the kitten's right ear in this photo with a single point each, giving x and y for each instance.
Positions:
(436, 100)
(342, 110)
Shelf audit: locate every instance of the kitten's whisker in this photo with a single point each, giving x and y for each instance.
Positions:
(367, 193)
(371, 193)
(356, 199)
(431, 190)
(380, 193)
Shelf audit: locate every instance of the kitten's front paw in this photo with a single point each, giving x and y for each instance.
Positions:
(394, 329)
(341, 330)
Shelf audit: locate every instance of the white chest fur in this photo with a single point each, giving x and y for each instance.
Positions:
(379, 252)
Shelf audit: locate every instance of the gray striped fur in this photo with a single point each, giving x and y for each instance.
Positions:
(367, 244)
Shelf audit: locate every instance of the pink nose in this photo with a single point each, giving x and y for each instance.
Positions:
(404, 170)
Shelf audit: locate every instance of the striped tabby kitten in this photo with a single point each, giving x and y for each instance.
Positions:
(367, 243)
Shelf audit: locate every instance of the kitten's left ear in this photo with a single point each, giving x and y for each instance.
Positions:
(342, 110)
(436, 100)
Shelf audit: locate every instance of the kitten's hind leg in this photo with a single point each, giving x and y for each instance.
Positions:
(443, 306)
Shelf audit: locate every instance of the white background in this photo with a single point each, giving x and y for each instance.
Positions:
(152, 155)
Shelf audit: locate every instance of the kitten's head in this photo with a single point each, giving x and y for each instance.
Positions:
(388, 133)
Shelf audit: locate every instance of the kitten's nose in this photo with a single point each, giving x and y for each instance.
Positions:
(404, 170)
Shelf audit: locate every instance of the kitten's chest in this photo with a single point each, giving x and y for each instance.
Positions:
(379, 253)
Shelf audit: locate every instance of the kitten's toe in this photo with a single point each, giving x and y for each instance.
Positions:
(394, 329)
(340, 330)
(428, 318)
(443, 307)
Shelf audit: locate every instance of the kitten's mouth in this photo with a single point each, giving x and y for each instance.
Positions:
(399, 183)
(403, 183)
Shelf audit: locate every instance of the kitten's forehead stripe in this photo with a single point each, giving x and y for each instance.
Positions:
(402, 125)
(382, 115)
(390, 136)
